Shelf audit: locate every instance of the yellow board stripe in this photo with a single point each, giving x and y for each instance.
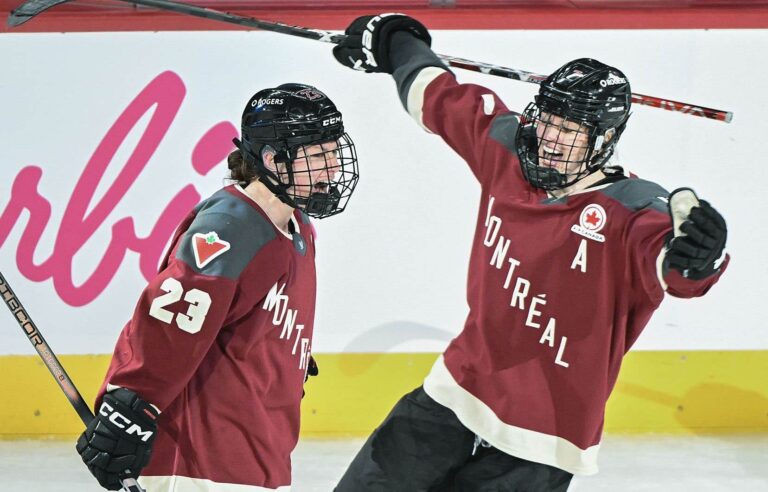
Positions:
(700, 392)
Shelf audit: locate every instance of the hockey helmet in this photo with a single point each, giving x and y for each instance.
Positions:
(287, 121)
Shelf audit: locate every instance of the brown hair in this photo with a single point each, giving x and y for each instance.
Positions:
(239, 170)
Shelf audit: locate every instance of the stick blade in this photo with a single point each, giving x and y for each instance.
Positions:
(29, 9)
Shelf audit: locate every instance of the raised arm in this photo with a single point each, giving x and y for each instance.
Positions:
(462, 114)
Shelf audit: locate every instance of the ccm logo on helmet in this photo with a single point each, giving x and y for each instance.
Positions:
(122, 422)
(259, 102)
(612, 80)
(332, 121)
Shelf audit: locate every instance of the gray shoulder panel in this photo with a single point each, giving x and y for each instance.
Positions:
(240, 231)
(504, 129)
(409, 55)
(637, 194)
(304, 218)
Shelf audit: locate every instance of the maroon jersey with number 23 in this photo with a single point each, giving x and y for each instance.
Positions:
(219, 342)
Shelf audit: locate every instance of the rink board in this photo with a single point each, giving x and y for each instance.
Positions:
(694, 392)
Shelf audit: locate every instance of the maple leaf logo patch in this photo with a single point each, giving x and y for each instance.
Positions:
(207, 247)
(591, 221)
(592, 217)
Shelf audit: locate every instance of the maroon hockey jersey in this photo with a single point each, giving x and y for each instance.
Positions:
(558, 289)
(219, 342)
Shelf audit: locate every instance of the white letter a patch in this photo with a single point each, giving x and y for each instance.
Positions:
(207, 247)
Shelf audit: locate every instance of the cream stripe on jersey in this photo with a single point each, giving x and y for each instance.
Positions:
(415, 104)
(516, 441)
(660, 267)
(186, 484)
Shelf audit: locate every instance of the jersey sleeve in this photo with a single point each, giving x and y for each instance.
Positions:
(645, 232)
(182, 310)
(462, 114)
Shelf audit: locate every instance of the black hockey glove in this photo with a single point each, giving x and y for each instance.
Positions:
(312, 370)
(366, 46)
(696, 248)
(117, 443)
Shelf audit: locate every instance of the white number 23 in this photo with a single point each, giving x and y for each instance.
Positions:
(192, 320)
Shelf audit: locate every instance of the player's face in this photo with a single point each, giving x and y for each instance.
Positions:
(562, 143)
(314, 168)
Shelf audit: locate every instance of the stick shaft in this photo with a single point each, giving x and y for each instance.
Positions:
(52, 363)
(41, 346)
(681, 107)
(206, 13)
(33, 7)
(641, 99)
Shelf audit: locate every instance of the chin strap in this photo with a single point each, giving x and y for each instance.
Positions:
(266, 177)
(277, 190)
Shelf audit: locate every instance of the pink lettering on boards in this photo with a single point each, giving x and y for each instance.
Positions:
(163, 96)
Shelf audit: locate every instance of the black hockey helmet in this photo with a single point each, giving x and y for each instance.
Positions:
(286, 121)
(583, 96)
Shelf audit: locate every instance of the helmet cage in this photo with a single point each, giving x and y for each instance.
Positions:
(317, 177)
(537, 129)
(321, 176)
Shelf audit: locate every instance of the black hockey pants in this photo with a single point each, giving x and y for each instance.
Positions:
(422, 447)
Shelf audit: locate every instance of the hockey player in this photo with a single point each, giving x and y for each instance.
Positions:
(205, 383)
(571, 257)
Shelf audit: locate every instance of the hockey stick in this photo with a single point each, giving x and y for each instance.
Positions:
(31, 8)
(52, 363)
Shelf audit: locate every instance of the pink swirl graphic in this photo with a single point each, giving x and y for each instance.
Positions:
(165, 94)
